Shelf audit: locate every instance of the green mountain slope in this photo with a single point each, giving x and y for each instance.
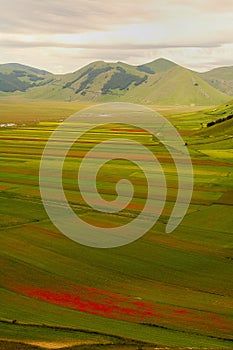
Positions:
(9, 67)
(91, 82)
(177, 86)
(102, 82)
(158, 82)
(157, 66)
(17, 77)
(220, 78)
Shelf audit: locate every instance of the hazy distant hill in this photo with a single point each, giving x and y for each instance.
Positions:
(158, 82)
(220, 78)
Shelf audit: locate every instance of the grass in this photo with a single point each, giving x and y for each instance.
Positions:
(169, 290)
(177, 86)
(51, 333)
(22, 110)
(19, 110)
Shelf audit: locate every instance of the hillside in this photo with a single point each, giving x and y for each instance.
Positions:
(157, 66)
(90, 82)
(224, 127)
(102, 82)
(17, 77)
(220, 78)
(158, 82)
(177, 86)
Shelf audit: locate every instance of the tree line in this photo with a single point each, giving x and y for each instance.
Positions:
(220, 120)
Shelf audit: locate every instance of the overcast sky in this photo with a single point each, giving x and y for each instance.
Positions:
(62, 36)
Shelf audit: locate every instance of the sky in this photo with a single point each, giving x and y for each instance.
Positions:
(62, 36)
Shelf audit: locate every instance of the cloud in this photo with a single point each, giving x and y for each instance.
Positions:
(215, 6)
(69, 34)
(200, 6)
(58, 60)
(101, 46)
(80, 16)
(57, 16)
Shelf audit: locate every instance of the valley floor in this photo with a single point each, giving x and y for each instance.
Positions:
(168, 290)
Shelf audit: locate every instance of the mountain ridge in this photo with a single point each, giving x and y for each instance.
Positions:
(160, 81)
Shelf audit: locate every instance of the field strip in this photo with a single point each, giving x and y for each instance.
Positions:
(57, 344)
(133, 341)
(24, 224)
(212, 140)
(71, 329)
(187, 332)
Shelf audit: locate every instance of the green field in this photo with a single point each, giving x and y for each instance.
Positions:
(170, 290)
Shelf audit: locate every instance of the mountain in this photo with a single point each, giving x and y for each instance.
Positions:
(9, 67)
(220, 78)
(17, 77)
(158, 82)
(101, 81)
(157, 66)
(93, 82)
(176, 86)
